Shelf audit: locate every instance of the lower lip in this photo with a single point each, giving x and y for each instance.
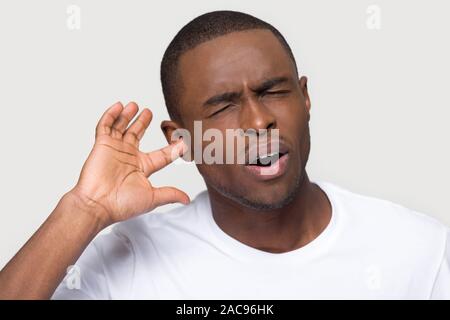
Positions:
(273, 171)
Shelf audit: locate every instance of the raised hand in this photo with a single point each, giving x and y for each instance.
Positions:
(114, 178)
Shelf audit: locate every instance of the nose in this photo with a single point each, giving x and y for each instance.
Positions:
(255, 116)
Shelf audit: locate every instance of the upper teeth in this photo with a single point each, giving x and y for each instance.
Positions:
(266, 159)
(269, 155)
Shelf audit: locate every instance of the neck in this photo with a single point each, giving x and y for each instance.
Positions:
(279, 230)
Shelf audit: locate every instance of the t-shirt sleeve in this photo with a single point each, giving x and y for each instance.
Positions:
(441, 287)
(103, 271)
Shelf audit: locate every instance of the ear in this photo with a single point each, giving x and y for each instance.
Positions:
(168, 128)
(303, 83)
(173, 131)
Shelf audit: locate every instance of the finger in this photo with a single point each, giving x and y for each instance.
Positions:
(125, 117)
(158, 159)
(137, 129)
(166, 195)
(108, 118)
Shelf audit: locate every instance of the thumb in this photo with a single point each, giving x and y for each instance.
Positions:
(166, 195)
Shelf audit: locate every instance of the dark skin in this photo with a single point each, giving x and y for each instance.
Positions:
(252, 84)
(277, 215)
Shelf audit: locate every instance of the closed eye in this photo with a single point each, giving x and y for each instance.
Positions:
(276, 92)
(220, 110)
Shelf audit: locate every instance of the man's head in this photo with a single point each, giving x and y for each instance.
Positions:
(230, 70)
(202, 29)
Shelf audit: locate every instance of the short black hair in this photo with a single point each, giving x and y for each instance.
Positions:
(201, 29)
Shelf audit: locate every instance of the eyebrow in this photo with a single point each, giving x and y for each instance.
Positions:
(223, 97)
(230, 96)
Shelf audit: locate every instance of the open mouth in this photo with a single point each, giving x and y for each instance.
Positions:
(267, 160)
(267, 165)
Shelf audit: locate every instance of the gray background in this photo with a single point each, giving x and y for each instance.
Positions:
(380, 102)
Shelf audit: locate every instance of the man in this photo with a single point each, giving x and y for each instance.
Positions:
(251, 235)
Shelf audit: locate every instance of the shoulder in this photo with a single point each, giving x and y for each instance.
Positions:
(110, 262)
(373, 209)
(388, 224)
(158, 226)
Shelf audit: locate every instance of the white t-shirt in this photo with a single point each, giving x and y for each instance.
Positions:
(371, 249)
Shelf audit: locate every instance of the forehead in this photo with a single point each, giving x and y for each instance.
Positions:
(229, 62)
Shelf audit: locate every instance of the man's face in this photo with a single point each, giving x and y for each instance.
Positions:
(246, 80)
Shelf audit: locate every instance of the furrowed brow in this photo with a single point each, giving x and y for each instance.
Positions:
(223, 97)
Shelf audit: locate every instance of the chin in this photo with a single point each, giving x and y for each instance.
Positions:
(270, 202)
(261, 201)
(263, 197)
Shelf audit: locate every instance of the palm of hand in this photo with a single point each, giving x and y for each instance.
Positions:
(115, 175)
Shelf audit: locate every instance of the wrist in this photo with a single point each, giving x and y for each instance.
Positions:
(85, 206)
